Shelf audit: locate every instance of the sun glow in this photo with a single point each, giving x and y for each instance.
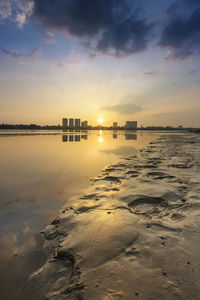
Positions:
(100, 120)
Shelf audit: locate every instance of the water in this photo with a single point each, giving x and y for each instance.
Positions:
(39, 171)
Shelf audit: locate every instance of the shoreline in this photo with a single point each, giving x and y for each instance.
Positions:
(133, 234)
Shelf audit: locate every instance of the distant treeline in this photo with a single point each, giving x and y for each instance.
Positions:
(59, 127)
(29, 126)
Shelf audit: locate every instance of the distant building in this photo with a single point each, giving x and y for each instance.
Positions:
(84, 124)
(65, 123)
(180, 126)
(77, 123)
(131, 125)
(115, 125)
(71, 123)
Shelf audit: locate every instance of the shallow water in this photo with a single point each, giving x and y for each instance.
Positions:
(39, 172)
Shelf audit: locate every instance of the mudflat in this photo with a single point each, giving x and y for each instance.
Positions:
(133, 234)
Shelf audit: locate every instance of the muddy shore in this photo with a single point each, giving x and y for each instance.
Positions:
(133, 234)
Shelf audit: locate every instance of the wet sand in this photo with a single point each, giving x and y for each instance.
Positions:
(133, 234)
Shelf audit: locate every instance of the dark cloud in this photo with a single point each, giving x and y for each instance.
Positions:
(112, 27)
(115, 27)
(182, 35)
(192, 2)
(124, 109)
(173, 10)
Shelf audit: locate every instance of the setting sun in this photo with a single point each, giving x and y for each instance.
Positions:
(100, 120)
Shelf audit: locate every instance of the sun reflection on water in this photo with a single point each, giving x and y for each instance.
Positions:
(100, 139)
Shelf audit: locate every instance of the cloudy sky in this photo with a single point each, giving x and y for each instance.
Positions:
(113, 59)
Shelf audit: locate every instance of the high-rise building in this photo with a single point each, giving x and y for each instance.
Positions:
(115, 124)
(84, 124)
(131, 125)
(64, 123)
(77, 123)
(71, 123)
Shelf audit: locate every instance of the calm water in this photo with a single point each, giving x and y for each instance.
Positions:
(38, 173)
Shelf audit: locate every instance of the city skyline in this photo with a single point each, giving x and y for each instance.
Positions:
(75, 123)
(149, 70)
(71, 123)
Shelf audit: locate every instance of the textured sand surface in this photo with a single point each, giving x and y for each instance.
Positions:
(134, 234)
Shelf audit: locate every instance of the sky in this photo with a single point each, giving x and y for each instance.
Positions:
(116, 60)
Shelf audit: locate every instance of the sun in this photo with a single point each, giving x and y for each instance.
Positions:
(100, 120)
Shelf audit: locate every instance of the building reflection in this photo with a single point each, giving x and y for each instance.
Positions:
(77, 138)
(84, 136)
(65, 138)
(114, 134)
(130, 136)
(73, 137)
